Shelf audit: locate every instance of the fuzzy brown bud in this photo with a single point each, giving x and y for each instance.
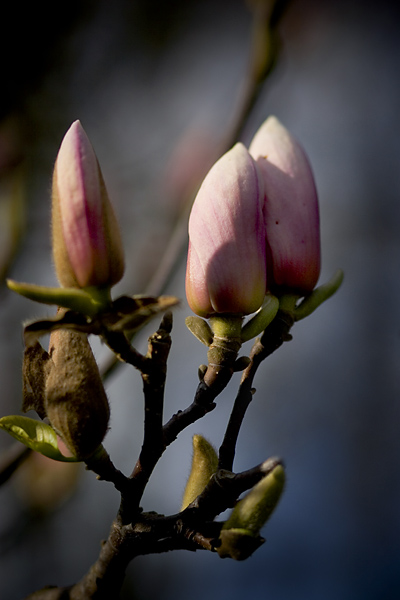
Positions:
(76, 403)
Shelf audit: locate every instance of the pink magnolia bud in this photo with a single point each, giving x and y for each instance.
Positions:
(87, 246)
(290, 210)
(226, 268)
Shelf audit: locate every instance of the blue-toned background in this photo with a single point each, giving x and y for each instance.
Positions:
(141, 76)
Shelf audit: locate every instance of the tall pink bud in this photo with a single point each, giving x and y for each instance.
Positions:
(87, 246)
(290, 209)
(226, 269)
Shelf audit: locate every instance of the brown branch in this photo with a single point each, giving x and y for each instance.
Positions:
(123, 350)
(274, 336)
(202, 404)
(191, 529)
(153, 377)
(101, 464)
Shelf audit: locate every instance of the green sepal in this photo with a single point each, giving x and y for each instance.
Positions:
(88, 301)
(200, 329)
(263, 317)
(36, 435)
(318, 296)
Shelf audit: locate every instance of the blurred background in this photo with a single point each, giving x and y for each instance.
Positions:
(155, 85)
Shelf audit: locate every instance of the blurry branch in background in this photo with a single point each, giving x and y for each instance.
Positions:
(12, 194)
(264, 52)
(12, 217)
(12, 229)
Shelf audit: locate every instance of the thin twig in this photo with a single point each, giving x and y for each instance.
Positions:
(153, 388)
(274, 336)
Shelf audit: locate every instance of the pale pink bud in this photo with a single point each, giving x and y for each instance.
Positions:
(87, 246)
(290, 210)
(226, 268)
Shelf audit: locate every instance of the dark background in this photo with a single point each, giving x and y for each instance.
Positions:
(141, 76)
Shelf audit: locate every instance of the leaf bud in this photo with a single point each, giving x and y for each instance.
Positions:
(239, 536)
(204, 465)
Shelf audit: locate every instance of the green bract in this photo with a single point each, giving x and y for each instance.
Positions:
(36, 435)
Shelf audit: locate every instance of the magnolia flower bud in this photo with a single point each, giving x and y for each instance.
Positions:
(290, 209)
(226, 269)
(87, 246)
(75, 401)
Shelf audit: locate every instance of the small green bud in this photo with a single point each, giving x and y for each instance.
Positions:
(238, 544)
(204, 465)
(253, 511)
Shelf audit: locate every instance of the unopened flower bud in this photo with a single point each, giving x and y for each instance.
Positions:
(226, 269)
(75, 401)
(87, 246)
(290, 209)
(204, 464)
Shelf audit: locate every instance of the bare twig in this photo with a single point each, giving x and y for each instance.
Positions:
(274, 336)
(153, 387)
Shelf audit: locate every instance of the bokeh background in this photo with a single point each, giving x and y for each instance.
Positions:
(155, 85)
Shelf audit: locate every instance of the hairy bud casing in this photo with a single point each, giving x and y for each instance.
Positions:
(76, 403)
(239, 536)
(252, 512)
(204, 464)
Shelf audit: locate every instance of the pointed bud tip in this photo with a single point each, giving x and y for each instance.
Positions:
(87, 246)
